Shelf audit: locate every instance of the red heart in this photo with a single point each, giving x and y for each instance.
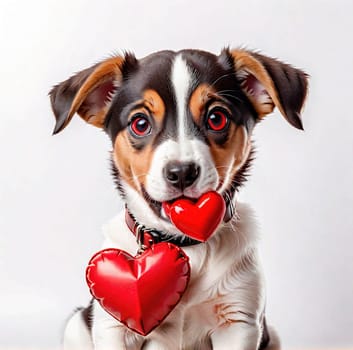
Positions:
(139, 291)
(197, 220)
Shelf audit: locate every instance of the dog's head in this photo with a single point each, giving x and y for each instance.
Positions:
(180, 122)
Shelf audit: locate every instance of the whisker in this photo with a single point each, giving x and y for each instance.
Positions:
(136, 176)
(222, 166)
(230, 96)
(227, 90)
(221, 77)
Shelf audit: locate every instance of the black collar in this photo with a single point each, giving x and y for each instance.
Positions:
(146, 236)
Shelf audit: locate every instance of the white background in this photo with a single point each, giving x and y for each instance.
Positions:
(57, 192)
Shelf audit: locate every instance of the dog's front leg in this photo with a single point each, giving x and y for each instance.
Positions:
(170, 340)
(110, 334)
(108, 337)
(167, 336)
(237, 336)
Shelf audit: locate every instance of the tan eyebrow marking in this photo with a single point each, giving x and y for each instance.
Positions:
(155, 104)
(198, 100)
(200, 97)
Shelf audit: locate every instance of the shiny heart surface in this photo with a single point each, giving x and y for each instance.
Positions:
(197, 220)
(139, 291)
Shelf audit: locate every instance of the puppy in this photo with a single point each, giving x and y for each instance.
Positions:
(180, 125)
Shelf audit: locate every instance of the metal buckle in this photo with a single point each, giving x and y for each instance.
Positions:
(229, 207)
(139, 233)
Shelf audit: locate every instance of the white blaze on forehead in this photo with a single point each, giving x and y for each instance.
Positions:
(181, 79)
(186, 148)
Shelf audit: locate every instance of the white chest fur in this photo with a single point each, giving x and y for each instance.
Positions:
(226, 284)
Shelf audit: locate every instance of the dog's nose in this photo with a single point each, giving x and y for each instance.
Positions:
(181, 174)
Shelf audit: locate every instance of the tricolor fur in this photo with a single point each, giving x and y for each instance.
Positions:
(196, 111)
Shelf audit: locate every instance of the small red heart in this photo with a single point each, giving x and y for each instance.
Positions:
(139, 291)
(197, 220)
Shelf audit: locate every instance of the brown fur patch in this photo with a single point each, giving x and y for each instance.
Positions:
(133, 165)
(244, 61)
(107, 71)
(233, 153)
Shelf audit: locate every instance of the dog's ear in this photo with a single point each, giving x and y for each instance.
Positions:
(88, 93)
(268, 82)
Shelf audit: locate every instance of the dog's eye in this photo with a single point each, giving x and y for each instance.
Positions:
(140, 126)
(217, 120)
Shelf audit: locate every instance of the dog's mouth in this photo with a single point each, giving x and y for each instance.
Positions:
(162, 209)
(157, 207)
(168, 204)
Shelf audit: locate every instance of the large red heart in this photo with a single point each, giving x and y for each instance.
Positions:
(139, 291)
(197, 220)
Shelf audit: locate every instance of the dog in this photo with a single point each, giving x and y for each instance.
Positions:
(180, 125)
